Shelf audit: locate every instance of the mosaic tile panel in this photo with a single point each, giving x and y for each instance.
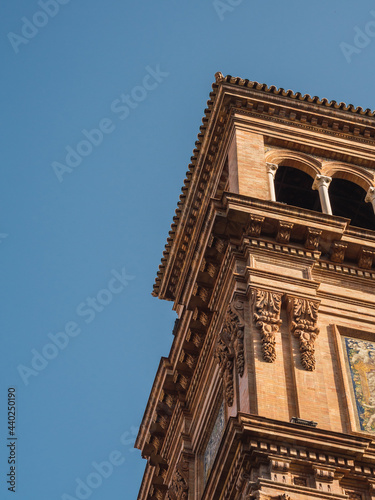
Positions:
(360, 355)
(214, 442)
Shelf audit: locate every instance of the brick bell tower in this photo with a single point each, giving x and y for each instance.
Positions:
(268, 391)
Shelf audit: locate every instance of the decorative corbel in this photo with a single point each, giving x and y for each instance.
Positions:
(254, 226)
(267, 306)
(366, 258)
(284, 231)
(312, 238)
(304, 317)
(338, 251)
(229, 347)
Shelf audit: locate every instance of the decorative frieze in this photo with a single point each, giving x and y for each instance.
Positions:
(267, 306)
(229, 348)
(304, 317)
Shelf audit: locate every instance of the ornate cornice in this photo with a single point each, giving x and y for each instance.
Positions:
(249, 442)
(262, 87)
(240, 96)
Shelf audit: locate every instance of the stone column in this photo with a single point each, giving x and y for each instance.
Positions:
(370, 197)
(271, 172)
(321, 183)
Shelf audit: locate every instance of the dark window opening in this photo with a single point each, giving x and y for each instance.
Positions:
(294, 187)
(348, 200)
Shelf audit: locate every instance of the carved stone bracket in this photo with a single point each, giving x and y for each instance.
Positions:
(338, 251)
(366, 258)
(267, 306)
(304, 317)
(158, 491)
(254, 227)
(229, 347)
(284, 232)
(179, 488)
(324, 474)
(312, 238)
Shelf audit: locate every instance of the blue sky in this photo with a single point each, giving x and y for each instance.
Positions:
(81, 235)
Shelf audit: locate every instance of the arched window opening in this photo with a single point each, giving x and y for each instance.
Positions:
(294, 187)
(348, 200)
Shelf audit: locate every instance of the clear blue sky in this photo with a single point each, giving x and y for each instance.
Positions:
(62, 243)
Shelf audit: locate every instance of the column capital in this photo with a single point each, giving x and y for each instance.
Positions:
(321, 180)
(272, 168)
(370, 196)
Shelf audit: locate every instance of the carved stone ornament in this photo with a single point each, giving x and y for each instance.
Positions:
(366, 257)
(254, 227)
(229, 348)
(338, 251)
(272, 168)
(267, 317)
(352, 495)
(304, 316)
(284, 232)
(219, 77)
(179, 487)
(312, 238)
